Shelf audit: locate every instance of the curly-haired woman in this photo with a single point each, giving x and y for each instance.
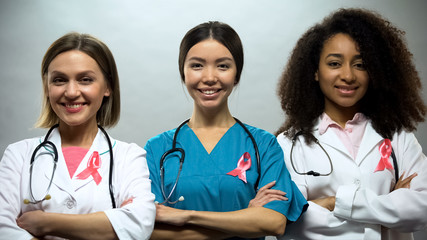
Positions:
(352, 97)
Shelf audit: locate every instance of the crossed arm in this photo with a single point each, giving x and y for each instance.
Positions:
(73, 226)
(329, 202)
(254, 221)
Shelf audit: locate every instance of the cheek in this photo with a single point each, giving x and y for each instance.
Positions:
(52, 93)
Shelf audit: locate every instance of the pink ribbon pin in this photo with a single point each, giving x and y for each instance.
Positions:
(385, 151)
(93, 165)
(242, 166)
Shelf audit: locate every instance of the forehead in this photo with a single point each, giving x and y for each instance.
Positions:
(209, 48)
(73, 60)
(340, 43)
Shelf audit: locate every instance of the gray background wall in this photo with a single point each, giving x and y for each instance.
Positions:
(144, 37)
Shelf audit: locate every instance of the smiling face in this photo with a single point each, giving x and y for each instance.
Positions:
(210, 74)
(341, 75)
(76, 88)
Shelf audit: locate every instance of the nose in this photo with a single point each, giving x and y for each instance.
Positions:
(72, 90)
(347, 74)
(209, 76)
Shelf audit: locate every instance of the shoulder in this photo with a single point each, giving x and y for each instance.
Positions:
(126, 147)
(160, 140)
(283, 140)
(258, 132)
(19, 152)
(261, 136)
(28, 143)
(404, 139)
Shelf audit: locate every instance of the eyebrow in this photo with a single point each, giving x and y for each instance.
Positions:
(80, 73)
(338, 55)
(203, 60)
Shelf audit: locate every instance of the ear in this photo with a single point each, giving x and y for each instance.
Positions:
(316, 76)
(107, 92)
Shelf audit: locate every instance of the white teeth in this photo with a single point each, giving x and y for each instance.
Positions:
(73, 105)
(209, 92)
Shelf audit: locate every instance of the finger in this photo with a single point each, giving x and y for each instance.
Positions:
(268, 185)
(401, 176)
(274, 192)
(409, 179)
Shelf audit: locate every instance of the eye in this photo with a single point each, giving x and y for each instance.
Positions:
(334, 64)
(58, 81)
(86, 80)
(223, 66)
(360, 66)
(196, 66)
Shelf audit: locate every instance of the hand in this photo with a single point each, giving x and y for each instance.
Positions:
(127, 201)
(32, 222)
(266, 195)
(404, 183)
(171, 216)
(327, 202)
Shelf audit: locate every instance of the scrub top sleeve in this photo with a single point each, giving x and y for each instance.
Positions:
(136, 219)
(153, 161)
(11, 165)
(273, 168)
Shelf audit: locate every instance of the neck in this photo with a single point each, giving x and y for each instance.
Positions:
(211, 119)
(342, 116)
(78, 136)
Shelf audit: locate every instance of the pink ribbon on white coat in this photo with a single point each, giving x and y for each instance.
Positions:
(385, 151)
(93, 165)
(242, 166)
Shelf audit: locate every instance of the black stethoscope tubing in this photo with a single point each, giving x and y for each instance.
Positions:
(55, 160)
(181, 161)
(317, 174)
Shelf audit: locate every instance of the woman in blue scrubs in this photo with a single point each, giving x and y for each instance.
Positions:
(220, 174)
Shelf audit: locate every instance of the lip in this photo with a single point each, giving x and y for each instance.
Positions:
(209, 92)
(346, 90)
(73, 107)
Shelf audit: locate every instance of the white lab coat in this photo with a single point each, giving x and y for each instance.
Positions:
(365, 207)
(73, 196)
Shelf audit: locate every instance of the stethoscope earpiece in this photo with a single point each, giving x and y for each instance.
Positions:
(27, 201)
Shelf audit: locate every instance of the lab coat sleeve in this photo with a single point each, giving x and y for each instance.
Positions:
(403, 210)
(317, 222)
(136, 219)
(11, 167)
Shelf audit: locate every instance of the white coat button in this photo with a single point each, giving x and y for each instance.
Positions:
(357, 182)
(70, 204)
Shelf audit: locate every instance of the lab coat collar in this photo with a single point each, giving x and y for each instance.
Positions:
(62, 179)
(370, 140)
(330, 138)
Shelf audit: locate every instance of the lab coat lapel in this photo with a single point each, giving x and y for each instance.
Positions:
(100, 145)
(370, 140)
(59, 180)
(330, 139)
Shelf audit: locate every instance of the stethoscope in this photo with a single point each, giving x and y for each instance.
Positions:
(181, 157)
(317, 174)
(46, 144)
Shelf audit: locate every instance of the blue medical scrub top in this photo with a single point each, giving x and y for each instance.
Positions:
(204, 182)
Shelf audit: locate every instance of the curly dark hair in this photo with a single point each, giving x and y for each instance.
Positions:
(393, 100)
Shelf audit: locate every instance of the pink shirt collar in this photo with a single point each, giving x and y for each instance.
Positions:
(326, 122)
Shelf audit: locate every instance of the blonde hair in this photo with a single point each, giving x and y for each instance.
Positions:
(109, 113)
